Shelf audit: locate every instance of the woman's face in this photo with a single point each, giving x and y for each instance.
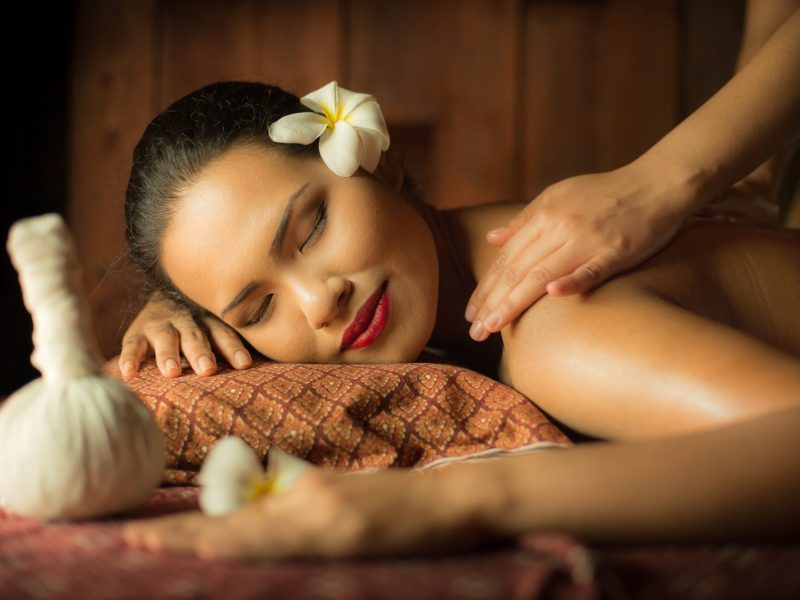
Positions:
(307, 266)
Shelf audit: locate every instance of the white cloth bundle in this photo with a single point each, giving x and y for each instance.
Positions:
(73, 444)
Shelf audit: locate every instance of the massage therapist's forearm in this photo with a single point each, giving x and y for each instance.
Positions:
(734, 482)
(754, 115)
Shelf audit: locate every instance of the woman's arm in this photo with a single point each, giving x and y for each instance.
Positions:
(737, 482)
(760, 197)
(755, 114)
(581, 231)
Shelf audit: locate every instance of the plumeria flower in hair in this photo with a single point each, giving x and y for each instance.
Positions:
(232, 475)
(349, 125)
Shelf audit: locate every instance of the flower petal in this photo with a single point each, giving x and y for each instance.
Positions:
(371, 148)
(325, 100)
(284, 469)
(226, 475)
(368, 115)
(230, 459)
(298, 128)
(221, 499)
(341, 149)
(350, 101)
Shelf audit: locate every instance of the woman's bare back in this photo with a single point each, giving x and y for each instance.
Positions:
(706, 331)
(745, 277)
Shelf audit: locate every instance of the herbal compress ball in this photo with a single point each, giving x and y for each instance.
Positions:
(73, 444)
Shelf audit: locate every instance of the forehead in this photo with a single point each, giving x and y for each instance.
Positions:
(244, 172)
(225, 208)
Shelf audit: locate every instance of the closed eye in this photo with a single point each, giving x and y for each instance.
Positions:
(261, 313)
(267, 305)
(318, 227)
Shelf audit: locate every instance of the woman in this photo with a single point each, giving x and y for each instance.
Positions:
(690, 361)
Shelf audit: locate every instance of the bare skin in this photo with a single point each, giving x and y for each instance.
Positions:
(664, 344)
(581, 231)
(689, 362)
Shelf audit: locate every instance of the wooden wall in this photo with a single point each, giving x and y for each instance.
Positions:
(490, 99)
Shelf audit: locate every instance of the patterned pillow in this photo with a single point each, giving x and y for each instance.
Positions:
(346, 417)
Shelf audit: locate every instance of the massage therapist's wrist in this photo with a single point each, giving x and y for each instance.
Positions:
(687, 186)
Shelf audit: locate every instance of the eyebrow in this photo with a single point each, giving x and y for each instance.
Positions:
(277, 242)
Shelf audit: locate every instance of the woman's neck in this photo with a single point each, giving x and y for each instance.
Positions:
(456, 284)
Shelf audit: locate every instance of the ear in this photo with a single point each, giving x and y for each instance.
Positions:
(390, 169)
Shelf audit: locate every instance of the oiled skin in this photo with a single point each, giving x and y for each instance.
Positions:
(706, 332)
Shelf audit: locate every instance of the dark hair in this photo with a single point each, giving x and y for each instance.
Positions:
(178, 144)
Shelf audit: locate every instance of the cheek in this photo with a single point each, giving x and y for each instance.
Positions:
(284, 342)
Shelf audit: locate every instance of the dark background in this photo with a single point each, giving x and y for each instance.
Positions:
(36, 57)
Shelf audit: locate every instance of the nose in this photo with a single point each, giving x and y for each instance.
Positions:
(322, 301)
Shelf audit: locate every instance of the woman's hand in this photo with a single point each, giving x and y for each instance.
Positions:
(329, 515)
(575, 235)
(168, 329)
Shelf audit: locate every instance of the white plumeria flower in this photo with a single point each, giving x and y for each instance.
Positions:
(232, 475)
(349, 125)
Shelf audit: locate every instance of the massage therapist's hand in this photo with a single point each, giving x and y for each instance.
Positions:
(167, 329)
(575, 235)
(329, 515)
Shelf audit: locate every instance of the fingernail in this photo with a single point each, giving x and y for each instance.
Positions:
(496, 231)
(492, 320)
(127, 367)
(205, 363)
(471, 312)
(170, 365)
(476, 331)
(242, 358)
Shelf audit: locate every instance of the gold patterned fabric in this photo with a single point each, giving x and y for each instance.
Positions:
(345, 417)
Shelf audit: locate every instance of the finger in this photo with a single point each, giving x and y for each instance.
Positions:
(177, 533)
(166, 345)
(228, 342)
(513, 271)
(515, 294)
(134, 350)
(589, 275)
(195, 346)
(250, 533)
(240, 543)
(522, 217)
(501, 235)
(519, 243)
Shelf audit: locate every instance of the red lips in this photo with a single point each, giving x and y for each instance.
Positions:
(369, 321)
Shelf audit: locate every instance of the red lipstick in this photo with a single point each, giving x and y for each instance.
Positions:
(369, 321)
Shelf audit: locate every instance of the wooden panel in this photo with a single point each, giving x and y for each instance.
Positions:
(560, 92)
(493, 98)
(600, 84)
(636, 77)
(294, 45)
(712, 33)
(111, 103)
(445, 69)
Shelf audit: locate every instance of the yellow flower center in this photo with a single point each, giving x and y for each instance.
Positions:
(259, 487)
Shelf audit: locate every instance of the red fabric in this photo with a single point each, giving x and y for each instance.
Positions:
(340, 416)
(90, 561)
